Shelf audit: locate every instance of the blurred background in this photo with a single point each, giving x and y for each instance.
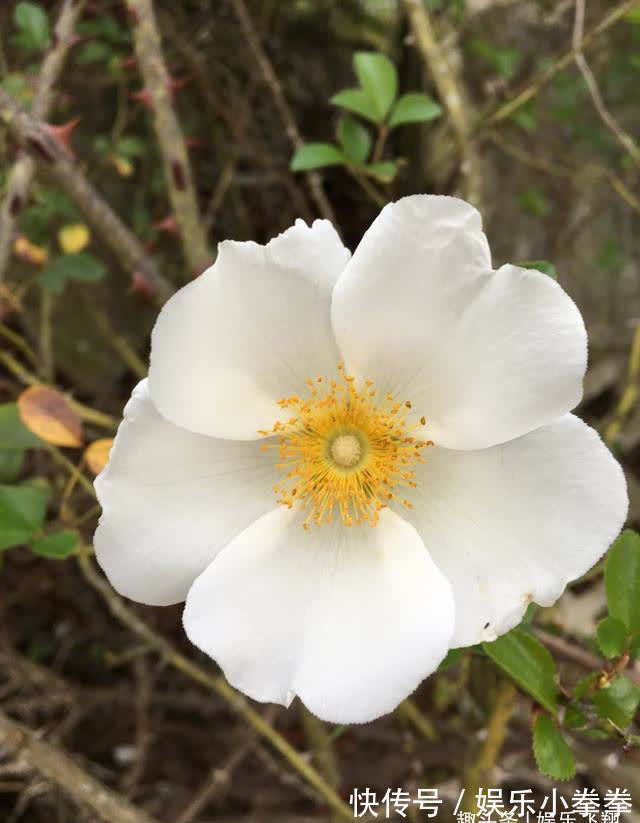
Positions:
(134, 136)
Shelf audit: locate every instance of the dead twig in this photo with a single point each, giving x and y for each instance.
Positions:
(55, 765)
(55, 160)
(450, 94)
(291, 127)
(158, 90)
(625, 140)
(21, 174)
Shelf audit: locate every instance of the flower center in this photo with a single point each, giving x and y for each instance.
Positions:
(344, 449)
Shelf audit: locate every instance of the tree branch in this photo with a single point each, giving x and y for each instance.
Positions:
(56, 161)
(450, 94)
(291, 127)
(157, 81)
(56, 766)
(21, 174)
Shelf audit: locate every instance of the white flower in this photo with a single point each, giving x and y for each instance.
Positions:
(446, 434)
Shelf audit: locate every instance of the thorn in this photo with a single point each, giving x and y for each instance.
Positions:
(193, 142)
(141, 286)
(176, 85)
(62, 134)
(128, 62)
(143, 96)
(133, 14)
(168, 224)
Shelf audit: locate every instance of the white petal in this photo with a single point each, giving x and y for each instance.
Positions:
(513, 524)
(171, 500)
(485, 356)
(247, 332)
(351, 620)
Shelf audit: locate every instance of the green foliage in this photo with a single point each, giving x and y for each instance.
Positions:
(48, 205)
(33, 27)
(414, 107)
(378, 79)
(618, 702)
(356, 101)
(534, 201)
(95, 51)
(375, 101)
(22, 510)
(354, 139)
(611, 635)
(11, 464)
(13, 433)
(316, 156)
(58, 546)
(504, 62)
(622, 580)
(81, 266)
(541, 265)
(529, 663)
(552, 753)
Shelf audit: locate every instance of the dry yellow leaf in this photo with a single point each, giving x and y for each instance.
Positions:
(28, 251)
(73, 238)
(49, 414)
(123, 166)
(97, 454)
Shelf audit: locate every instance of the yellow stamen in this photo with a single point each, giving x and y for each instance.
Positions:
(341, 451)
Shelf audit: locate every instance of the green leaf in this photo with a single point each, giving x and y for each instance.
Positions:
(22, 510)
(58, 545)
(552, 753)
(622, 580)
(541, 265)
(11, 464)
(354, 139)
(13, 433)
(317, 156)
(611, 635)
(618, 702)
(93, 52)
(505, 62)
(585, 685)
(357, 101)
(634, 646)
(33, 24)
(131, 146)
(528, 662)
(452, 657)
(80, 266)
(534, 201)
(414, 107)
(379, 80)
(574, 718)
(384, 172)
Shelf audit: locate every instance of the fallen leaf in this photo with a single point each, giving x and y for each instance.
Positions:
(97, 454)
(49, 414)
(73, 238)
(28, 251)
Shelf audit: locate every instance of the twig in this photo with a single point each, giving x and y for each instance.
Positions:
(57, 767)
(629, 394)
(157, 81)
(215, 683)
(409, 711)
(320, 743)
(118, 343)
(542, 80)
(565, 171)
(53, 158)
(625, 140)
(450, 94)
(480, 774)
(21, 174)
(578, 655)
(218, 778)
(98, 418)
(46, 336)
(291, 127)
